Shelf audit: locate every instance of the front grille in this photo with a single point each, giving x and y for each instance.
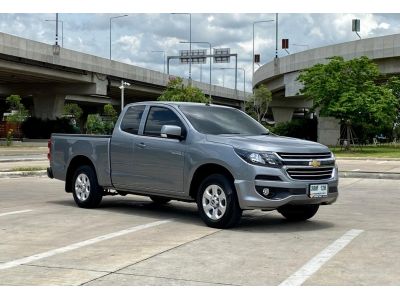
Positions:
(310, 173)
(301, 156)
(308, 166)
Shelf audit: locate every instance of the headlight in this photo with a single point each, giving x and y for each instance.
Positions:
(267, 159)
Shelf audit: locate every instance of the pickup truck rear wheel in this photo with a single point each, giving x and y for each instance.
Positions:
(217, 202)
(85, 188)
(159, 200)
(298, 212)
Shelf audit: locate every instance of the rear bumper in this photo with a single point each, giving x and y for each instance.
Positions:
(50, 173)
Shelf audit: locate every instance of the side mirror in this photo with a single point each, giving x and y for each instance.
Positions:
(172, 132)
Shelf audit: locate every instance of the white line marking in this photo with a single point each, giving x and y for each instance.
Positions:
(29, 259)
(381, 162)
(355, 170)
(15, 212)
(313, 265)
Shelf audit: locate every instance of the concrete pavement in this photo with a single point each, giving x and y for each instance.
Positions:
(263, 250)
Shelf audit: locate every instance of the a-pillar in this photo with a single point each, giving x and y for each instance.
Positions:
(282, 114)
(48, 106)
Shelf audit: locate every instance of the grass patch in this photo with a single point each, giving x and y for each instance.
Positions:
(380, 151)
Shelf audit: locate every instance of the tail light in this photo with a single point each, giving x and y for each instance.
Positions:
(49, 147)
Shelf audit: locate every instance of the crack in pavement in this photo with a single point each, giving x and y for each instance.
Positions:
(173, 278)
(64, 268)
(150, 257)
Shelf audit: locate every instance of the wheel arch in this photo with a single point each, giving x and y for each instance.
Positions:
(76, 162)
(203, 171)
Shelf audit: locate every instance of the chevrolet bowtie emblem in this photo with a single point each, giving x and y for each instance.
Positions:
(314, 163)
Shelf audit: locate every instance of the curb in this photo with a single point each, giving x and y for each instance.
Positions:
(6, 160)
(367, 158)
(369, 175)
(342, 174)
(18, 174)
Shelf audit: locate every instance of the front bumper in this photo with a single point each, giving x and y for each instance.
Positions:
(284, 191)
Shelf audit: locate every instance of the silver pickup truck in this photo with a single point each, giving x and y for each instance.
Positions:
(216, 156)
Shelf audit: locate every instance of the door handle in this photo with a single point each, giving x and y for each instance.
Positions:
(141, 145)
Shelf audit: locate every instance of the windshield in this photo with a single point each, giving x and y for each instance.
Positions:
(221, 120)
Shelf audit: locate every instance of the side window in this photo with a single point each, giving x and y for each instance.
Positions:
(159, 116)
(131, 121)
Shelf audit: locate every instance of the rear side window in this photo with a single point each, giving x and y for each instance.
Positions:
(131, 121)
(159, 116)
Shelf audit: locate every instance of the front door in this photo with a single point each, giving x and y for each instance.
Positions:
(159, 162)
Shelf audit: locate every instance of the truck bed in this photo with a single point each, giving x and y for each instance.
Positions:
(66, 147)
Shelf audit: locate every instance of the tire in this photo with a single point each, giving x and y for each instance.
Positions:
(85, 188)
(217, 202)
(297, 213)
(159, 200)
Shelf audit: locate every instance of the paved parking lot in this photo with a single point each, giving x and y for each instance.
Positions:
(47, 240)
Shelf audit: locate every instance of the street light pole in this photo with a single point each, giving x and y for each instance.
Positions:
(62, 30)
(190, 44)
(122, 88)
(276, 35)
(209, 44)
(121, 16)
(160, 51)
(256, 22)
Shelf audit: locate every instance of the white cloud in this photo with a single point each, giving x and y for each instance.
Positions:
(316, 31)
(130, 43)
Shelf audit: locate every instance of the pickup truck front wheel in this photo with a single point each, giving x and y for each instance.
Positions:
(298, 212)
(85, 188)
(217, 202)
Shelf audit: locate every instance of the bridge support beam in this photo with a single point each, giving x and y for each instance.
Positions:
(282, 114)
(48, 106)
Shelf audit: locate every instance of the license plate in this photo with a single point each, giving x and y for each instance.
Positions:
(318, 190)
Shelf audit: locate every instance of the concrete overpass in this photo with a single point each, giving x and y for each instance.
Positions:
(33, 69)
(280, 75)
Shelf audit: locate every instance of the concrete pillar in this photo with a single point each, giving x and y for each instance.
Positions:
(48, 106)
(328, 131)
(282, 114)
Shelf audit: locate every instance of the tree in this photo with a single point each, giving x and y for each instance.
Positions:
(348, 90)
(394, 85)
(177, 91)
(110, 118)
(73, 109)
(95, 124)
(257, 104)
(18, 110)
(110, 112)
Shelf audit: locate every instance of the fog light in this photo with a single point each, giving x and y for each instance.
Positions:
(265, 191)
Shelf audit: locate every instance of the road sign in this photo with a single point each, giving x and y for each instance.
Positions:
(355, 25)
(222, 55)
(198, 56)
(285, 43)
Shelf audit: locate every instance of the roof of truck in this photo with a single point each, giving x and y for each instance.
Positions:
(173, 103)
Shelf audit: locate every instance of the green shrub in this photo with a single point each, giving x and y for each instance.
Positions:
(95, 124)
(73, 109)
(20, 114)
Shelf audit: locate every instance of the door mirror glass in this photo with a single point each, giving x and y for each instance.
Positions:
(172, 132)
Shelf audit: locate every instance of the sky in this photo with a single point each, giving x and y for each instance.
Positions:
(135, 37)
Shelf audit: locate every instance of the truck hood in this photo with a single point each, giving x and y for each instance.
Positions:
(269, 143)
